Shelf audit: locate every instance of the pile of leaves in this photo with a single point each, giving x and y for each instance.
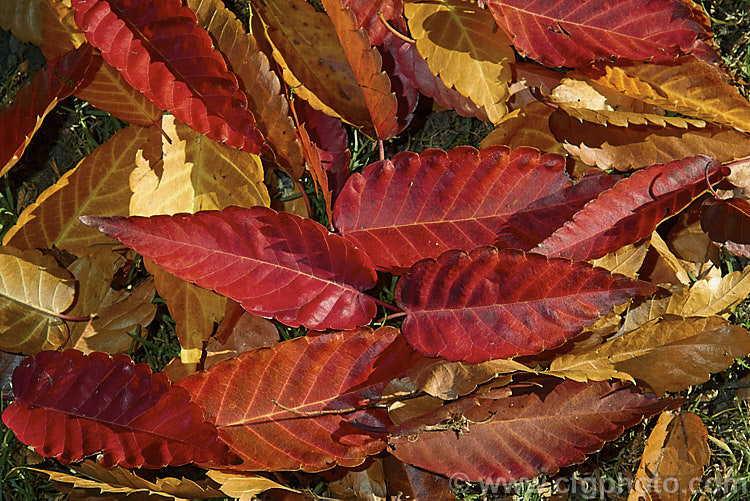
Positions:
(551, 287)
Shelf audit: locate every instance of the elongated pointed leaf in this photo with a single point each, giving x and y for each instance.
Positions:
(517, 437)
(69, 406)
(21, 119)
(727, 220)
(161, 51)
(562, 34)
(34, 289)
(419, 206)
(632, 208)
(311, 375)
(501, 303)
(275, 264)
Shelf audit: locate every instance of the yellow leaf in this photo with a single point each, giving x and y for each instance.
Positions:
(97, 185)
(626, 118)
(462, 46)
(34, 289)
(626, 260)
(244, 487)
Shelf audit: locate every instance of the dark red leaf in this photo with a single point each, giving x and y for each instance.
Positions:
(521, 436)
(274, 264)
(69, 406)
(578, 33)
(632, 209)
(419, 206)
(406, 92)
(728, 222)
(368, 12)
(20, 120)
(162, 51)
(501, 303)
(311, 375)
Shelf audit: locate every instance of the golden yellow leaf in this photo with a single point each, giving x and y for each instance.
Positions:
(674, 458)
(626, 260)
(579, 94)
(34, 290)
(97, 185)
(117, 311)
(687, 86)
(626, 118)
(261, 85)
(244, 487)
(462, 46)
(59, 29)
(308, 48)
(23, 18)
(527, 126)
(121, 481)
(668, 354)
(672, 262)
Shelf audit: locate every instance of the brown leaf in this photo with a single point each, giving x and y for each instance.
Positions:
(261, 85)
(727, 221)
(672, 464)
(367, 484)
(462, 47)
(413, 483)
(244, 487)
(670, 354)
(34, 289)
(23, 19)
(249, 332)
(450, 380)
(97, 185)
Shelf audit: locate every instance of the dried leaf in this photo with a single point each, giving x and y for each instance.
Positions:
(23, 19)
(626, 260)
(450, 380)
(674, 458)
(728, 221)
(34, 290)
(670, 354)
(97, 185)
(244, 487)
(460, 45)
(502, 303)
(413, 483)
(367, 484)
(513, 438)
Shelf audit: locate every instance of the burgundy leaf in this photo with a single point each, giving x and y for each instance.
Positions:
(162, 51)
(329, 381)
(505, 439)
(20, 120)
(274, 264)
(406, 92)
(727, 222)
(419, 206)
(501, 303)
(69, 406)
(577, 33)
(632, 208)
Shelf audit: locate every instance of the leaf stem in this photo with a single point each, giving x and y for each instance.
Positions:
(304, 197)
(387, 306)
(382, 149)
(394, 30)
(324, 412)
(708, 182)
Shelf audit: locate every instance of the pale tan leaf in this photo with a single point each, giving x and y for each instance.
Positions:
(249, 332)
(23, 18)
(117, 311)
(244, 487)
(261, 85)
(462, 46)
(626, 260)
(97, 185)
(674, 264)
(690, 243)
(34, 289)
(450, 380)
(668, 354)
(626, 118)
(579, 94)
(121, 481)
(528, 126)
(195, 173)
(674, 458)
(687, 86)
(406, 409)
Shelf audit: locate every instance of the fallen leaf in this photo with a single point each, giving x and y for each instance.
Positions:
(367, 484)
(413, 483)
(626, 260)
(244, 487)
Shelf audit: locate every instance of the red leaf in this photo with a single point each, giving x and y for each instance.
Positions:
(69, 406)
(501, 303)
(312, 375)
(632, 209)
(419, 206)
(367, 13)
(521, 436)
(332, 143)
(161, 50)
(564, 34)
(20, 120)
(728, 222)
(274, 264)
(409, 64)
